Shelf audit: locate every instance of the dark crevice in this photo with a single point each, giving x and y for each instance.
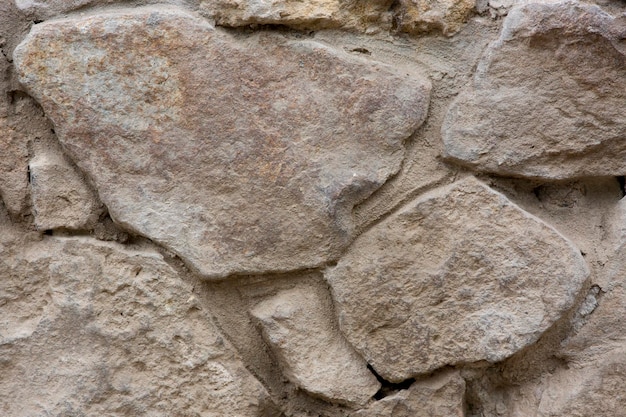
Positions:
(622, 184)
(389, 388)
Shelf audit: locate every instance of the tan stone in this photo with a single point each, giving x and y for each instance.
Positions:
(90, 328)
(547, 97)
(61, 198)
(441, 395)
(313, 353)
(240, 156)
(447, 16)
(459, 275)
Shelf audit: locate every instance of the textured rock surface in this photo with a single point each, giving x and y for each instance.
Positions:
(89, 328)
(460, 275)
(256, 151)
(547, 96)
(447, 16)
(267, 187)
(61, 198)
(313, 353)
(441, 395)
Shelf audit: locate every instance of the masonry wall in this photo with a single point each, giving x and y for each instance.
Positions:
(312, 208)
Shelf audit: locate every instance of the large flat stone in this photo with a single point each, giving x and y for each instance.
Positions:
(239, 155)
(547, 97)
(299, 328)
(460, 275)
(90, 328)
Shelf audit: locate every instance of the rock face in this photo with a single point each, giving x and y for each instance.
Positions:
(441, 395)
(61, 198)
(250, 164)
(314, 355)
(546, 99)
(460, 275)
(447, 16)
(89, 328)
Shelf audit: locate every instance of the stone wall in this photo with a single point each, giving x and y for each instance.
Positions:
(312, 208)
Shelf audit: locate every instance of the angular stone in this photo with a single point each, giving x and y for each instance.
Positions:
(91, 328)
(547, 98)
(298, 326)
(439, 396)
(61, 198)
(447, 16)
(240, 156)
(460, 275)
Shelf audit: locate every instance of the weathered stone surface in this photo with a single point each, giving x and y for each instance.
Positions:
(89, 328)
(413, 16)
(547, 98)
(310, 14)
(240, 156)
(460, 275)
(297, 324)
(447, 16)
(439, 396)
(61, 198)
(596, 389)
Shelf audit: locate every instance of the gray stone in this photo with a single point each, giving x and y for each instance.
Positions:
(239, 155)
(547, 98)
(298, 326)
(91, 328)
(459, 275)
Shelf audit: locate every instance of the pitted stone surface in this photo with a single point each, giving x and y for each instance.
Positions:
(239, 155)
(91, 328)
(312, 352)
(460, 275)
(547, 97)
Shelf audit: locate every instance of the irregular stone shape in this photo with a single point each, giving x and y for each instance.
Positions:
(603, 329)
(447, 16)
(90, 328)
(314, 13)
(547, 97)
(250, 164)
(313, 354)
(441, 396)
(460, 275)
(596, 389)
(61, 198)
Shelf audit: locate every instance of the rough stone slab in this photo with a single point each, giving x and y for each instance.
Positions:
(446, 16)
(460, 275)
(89, 328)
(547, 98)
(439, 396)
(240, 156)
(61, 198)
(412, 16)
(313, 354)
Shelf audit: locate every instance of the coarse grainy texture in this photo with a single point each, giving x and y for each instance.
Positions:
(459, 275)
(307, 208)
(250, 164)
(313, 354)
(547, 97)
